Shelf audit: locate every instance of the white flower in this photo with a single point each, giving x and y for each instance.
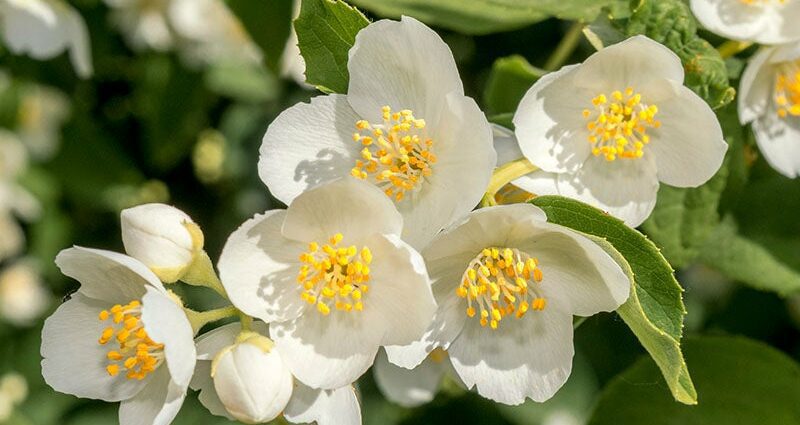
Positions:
(404, 125)
(507, 284)
(14, 199)
(209, 32)
(42, 111)
(162, 237)
(23, 296)
(412, 387)
(759, 21)
(121, 337)
(333, 279)
(769, 97)
(45, 28)
(258, 381)
(143, 23)
(608, 130)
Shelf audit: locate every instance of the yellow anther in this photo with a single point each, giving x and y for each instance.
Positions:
(112, 369)
(787, 89)
(135, 351)
(399, 157)
(496, 284)
(619, 129)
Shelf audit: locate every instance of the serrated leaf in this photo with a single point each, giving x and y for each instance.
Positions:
(748, 262)
(655, 310)
(671, 23)
(267, 23)
(740, 382)
(510, 78)
(487, 16)
(326, 30)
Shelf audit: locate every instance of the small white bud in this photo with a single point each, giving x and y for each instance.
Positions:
(251, 380)
(162, 237)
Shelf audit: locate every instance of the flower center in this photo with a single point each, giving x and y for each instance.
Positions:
(397, 153)
(618, 126)
(497, 283)
(134, 351)
(334, 276)
(787, 89)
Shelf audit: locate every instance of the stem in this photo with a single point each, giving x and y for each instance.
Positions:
(504, 175)
(732, 47)
(198, 319)
(246, 321)
(565, 47)
(201, 273)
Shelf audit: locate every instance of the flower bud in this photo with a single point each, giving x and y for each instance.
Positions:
(251, 380)
(162, 237)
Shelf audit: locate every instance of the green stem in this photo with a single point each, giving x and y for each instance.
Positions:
(504, 175)
(731, 48)
(247, 321)
(198, 319)
(565, 47)
(201, 273)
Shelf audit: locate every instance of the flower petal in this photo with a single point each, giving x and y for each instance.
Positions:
(529, 357)
(73, 362)
(202, 381)
(349, 206)
(538, 182)
(760, 23)
(755, 86)
(259, 267)
(403, 65)
(778, 141)
(549, 124)
(106, 275)
(689, 146)
(505, 144)
(157, 404)
(625, 189)
(308, 144)
(167, 324)
(466, 159)
(408, 388)
(578, 274)
(325, 407)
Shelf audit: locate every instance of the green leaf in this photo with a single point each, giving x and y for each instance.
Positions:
(268, 23)
(510, 78)
(748, 262)
(740, 382)
(671, 23)
(487, 16)
(655, 310)
(326, 30)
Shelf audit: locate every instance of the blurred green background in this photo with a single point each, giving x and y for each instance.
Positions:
(150, 126)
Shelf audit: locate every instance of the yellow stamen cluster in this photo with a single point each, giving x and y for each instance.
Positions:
(787, 89)
(334, 276)
(135, 351)
(396, 153)
(500, 282)
(618, 125)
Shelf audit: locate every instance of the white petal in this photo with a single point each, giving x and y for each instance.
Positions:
(254, 386)
(538, 182)
(202, 381)
(549, 124)
(689, 146)
(755, 86)
(325, 407)
(167, 324)
(212, 342)
(578, 274)
(156, 235)
(400, 301)
(505, 144)
(349, 206)
(259, 267)
(403, 65)
(466, 159)
(157, 404)
(73, 361)
(636, 62)
(763, 23)
(308, 144)
(107, 275)
(327, 352)
(624, 188)
(779, 141)
(79, 50)
(408, 388)
(530, 357)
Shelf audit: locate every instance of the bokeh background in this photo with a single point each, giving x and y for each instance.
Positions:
(182, 124)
